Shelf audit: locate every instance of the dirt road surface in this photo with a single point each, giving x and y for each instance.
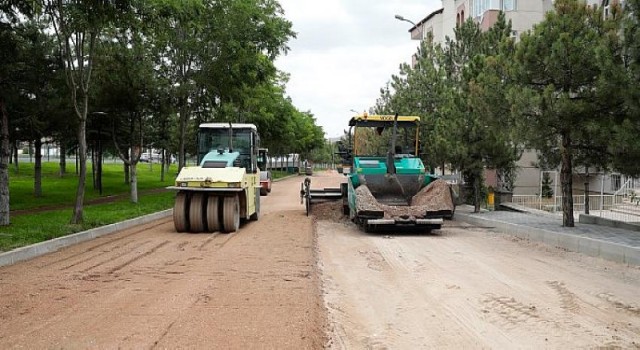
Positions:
(464, 287)
(150, 287)
(267, 286)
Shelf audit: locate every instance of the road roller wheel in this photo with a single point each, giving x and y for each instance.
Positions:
(213, 213)
(181, 212)
(230, 214)
(196, 213)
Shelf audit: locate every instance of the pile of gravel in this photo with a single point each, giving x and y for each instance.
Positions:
(434, 197)
(330, 210)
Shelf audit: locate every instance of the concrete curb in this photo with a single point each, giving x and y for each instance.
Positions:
(35, 250)
(575, 243)
(596, 220)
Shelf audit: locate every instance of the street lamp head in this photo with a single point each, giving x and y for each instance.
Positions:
(401, 18)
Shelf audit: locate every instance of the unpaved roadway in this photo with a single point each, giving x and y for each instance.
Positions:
(150, 287)
(267, 287)
(464, 287)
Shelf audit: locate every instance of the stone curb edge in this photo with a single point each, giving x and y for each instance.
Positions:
(35, 250)
(585, 245)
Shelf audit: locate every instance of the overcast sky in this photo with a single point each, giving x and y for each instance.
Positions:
(345, 51)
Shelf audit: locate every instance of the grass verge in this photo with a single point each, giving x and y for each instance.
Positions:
(61, 190)
(38, 227)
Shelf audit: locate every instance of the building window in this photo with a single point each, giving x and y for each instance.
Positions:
(509, 5)
(479, 7)
(615, 182)
(429, 35)
(458, 19)
(462, 16)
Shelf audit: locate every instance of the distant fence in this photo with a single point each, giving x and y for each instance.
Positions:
(552, 204)
(611, 206)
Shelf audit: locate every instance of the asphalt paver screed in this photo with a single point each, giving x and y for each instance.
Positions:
(434, 197)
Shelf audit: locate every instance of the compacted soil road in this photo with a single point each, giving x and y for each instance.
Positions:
(150, 287)
(464, 287)
(289, 281)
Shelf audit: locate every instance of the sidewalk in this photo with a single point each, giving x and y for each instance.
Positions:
(609, 243)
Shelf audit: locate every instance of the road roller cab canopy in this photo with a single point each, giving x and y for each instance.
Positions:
(225, 144)
(372, 135)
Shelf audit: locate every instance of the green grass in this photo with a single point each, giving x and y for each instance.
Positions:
(60, 192)
(42, 226)
(277, 174)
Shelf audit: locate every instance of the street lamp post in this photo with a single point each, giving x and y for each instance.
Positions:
(400, 18)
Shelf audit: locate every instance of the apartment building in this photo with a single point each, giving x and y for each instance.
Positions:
(523, 14)
(440, 24)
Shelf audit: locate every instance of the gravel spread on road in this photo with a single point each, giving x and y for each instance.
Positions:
(434, 197)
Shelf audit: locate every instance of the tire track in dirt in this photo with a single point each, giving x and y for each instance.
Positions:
(208, 241)
(567, 298)
(228, 237)
(95, 256)
(138, 257)
(117, 256)
(180, 246)
(164, 334)
(511, 310)
(619, 304)
(107, 242)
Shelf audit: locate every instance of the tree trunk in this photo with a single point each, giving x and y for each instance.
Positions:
(586, 197)
(134, 182)
(163, 164)
(99, 157)
(15, 156)
(37, 175)
(63, 159)
(78, 215)
(476, 194)
(586, 192)
(5, 154)
(566, 180)
(93, 166)
(183, 135)
(126, 172)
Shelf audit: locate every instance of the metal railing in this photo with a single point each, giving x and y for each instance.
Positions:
(611, 206)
